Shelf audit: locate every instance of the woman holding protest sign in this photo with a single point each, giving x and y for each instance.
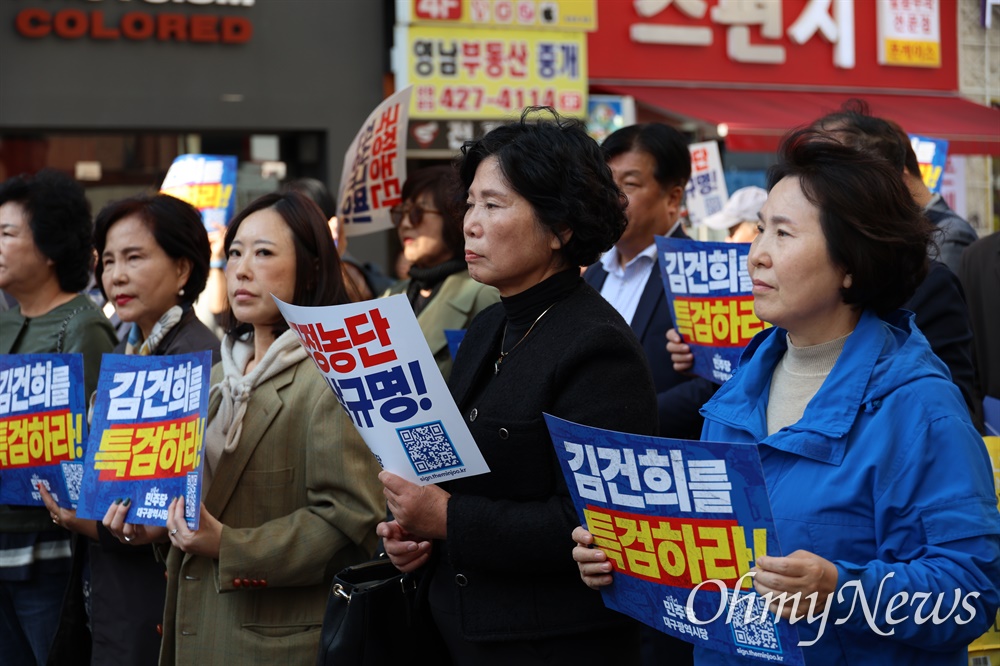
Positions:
(46, 254)
(439, 288)
(153, 259)
(541, 202)
(290, 489)
(878, 481)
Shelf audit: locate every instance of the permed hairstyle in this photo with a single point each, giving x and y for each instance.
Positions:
(442, 184)
(58, 215)
(667, 146)
(560, 170)
(873, 228)
(318, 275)
(176, 227)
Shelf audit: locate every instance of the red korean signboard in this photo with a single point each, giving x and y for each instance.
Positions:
(816, 43)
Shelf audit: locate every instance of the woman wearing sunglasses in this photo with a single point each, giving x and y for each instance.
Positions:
(439, 288)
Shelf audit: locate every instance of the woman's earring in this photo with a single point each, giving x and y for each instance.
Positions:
(848, 281)
(181, 292)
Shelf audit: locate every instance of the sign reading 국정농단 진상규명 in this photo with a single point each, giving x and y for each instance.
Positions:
(377, 362)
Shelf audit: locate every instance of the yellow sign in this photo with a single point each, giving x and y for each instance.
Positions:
(576, 15)
(909, 33)
(988, 645)
(912, 53)
(461, 73)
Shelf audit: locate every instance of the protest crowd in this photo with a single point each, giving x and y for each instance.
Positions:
(874, 321)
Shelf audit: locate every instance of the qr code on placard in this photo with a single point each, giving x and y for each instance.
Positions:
(73, 474)
(429, 448)
(756, 630)
(191, 497)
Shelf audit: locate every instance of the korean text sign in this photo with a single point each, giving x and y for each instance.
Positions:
(43, 427)
(147, 435)
(574, 15)
(681, 522)
(706, 192)
(932, 155)
(378, 364)
(711, 302)
(988, 644)
(207, 182)
(375, 168)
(470, 73)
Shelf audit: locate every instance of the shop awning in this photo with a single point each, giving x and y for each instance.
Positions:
(757, 119)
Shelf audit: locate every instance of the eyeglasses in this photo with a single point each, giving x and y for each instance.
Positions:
(415, 212)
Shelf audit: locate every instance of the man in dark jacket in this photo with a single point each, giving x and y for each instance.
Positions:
(651, 164)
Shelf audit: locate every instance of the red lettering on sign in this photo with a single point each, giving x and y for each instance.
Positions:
(97, 29)
(135, 26)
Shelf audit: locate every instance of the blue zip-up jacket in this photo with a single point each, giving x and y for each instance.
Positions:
(885, 476)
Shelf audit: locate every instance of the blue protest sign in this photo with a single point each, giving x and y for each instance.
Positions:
(682, 523)
(43, 426)
(147, 435)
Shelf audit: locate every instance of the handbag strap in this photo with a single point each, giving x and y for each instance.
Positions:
(61, 336)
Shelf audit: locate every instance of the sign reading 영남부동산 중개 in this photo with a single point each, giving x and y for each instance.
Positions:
(43, 427)
(377, 362)
(682, 523)
(711, 302)
(147, 435)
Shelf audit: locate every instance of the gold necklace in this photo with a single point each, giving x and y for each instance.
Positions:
(503, 354)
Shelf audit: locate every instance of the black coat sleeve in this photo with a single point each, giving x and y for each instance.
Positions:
(942, 315)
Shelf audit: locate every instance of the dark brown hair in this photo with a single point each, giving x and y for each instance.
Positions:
(176, 227)
(873, 228)
(318, 274)
(442, 183)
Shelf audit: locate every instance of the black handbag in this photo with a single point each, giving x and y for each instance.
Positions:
(373, 616)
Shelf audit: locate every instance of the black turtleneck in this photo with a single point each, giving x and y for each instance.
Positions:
(524, 309)
(430, 278)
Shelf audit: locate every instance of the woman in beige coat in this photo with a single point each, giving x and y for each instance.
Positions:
(291, 493)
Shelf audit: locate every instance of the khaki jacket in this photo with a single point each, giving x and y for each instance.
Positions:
(299, 499)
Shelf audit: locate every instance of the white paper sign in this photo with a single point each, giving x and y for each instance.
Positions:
(375, 168)
(706, 192)
(377, 362)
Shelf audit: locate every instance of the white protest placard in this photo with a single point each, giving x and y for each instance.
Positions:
(375, 359)
(374, 171)
(706, 192)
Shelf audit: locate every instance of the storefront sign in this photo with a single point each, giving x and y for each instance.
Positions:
(792, 42)
(101, 25)
(457, 72)
(573, 15)
(909, 33)
(447, 135)
(607, 114)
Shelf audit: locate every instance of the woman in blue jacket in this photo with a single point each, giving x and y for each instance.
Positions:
(879, 484)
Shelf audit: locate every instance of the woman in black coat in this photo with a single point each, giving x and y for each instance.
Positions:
(502, 589)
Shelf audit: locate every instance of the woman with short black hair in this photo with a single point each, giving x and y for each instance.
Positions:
(439, 289)
(540, 203)
(46, 254)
